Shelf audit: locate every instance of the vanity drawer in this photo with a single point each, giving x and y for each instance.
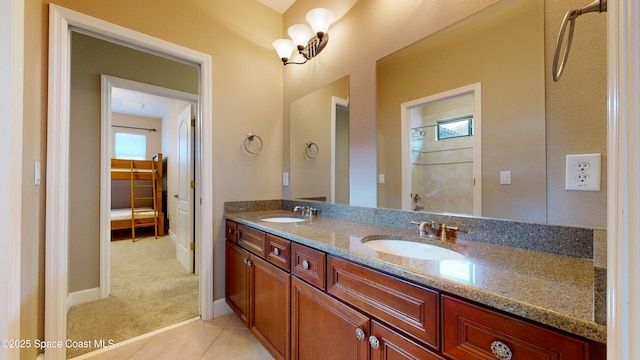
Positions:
(231, 231)
(279, 252)
(251, 239)
(408, 307)
(309, 265)
(470, 330)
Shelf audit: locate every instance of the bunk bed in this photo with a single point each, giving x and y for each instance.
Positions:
(140, 174)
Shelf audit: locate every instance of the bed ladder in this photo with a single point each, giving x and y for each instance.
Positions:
(135, 198)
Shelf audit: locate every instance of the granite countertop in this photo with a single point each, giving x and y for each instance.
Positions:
(555, 290)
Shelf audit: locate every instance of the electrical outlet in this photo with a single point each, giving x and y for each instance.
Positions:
(583, 172)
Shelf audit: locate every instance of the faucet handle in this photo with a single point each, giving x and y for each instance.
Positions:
(444, 235)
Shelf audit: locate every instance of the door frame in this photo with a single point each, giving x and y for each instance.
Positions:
(107, 83)
(61, 21)
(11, 153)
(335, 103)
(476, 90)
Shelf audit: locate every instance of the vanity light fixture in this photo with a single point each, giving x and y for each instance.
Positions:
(309, 40)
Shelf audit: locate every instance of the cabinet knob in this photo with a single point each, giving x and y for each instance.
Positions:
(360, 334)
(374, 342)
(249, 263)
(276, 251)
(305, 265)
(230, 231)
(245, 261)
(501, 350)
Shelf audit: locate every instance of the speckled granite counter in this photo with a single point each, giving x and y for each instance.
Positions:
(555, 290)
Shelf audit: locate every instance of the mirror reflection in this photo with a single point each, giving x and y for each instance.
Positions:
(502, 50)
(319, 144)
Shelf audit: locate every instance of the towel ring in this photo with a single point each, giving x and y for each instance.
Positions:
(249, 139)
(570, 19)
(309, 150)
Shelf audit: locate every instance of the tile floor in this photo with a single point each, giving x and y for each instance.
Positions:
(225, 337)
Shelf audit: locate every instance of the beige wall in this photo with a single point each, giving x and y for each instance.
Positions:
(238, 35)
(311, 121)
(576, 114)
(504, 52)
(362, 33)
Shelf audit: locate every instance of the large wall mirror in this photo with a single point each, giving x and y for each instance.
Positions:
(319, 144)
(501, 49)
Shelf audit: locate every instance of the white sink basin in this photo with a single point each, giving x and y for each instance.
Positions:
(412, 249)
(283, 219)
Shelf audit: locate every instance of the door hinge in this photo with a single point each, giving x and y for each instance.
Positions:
(193, 122)
(192, 246)
(193, 184)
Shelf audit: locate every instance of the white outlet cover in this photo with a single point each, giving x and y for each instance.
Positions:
(583, 172)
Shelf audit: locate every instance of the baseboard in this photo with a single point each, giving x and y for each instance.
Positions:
(220, 307)
(82, 296)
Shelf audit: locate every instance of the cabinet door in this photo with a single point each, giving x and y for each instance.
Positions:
(406, 306)
(237, 280)
(324, 328)
(269, 318)
(392, 345)
(473, 332)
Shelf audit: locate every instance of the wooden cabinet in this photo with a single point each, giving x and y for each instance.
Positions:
(324, 328)
(332, 308)
(474, 332)
(310, 265)
(278, 252)
(392, 345)
(251, 239)
(269, 306)
(231, 231)
(410, 308)
(237, 280)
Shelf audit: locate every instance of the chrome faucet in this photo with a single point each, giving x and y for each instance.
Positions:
(303, 210)
(306, 211)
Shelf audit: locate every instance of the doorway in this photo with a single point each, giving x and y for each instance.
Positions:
(58, 177)
(441, 152)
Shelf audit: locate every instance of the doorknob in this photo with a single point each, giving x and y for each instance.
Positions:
(175, 196)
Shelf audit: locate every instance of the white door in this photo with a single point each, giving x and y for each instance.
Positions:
(184, 231)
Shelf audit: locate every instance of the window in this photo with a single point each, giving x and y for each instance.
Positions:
(454, 128)
(130, 146)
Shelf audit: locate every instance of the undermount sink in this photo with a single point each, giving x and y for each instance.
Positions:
(412, 249)
(283, 219)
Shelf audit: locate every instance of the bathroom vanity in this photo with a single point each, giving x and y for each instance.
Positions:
(313, 290)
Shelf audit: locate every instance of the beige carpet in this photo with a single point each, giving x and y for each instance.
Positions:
(149, 290)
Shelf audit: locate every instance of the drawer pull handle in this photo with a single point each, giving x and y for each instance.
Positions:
(230, 231)
(374, 342)
(305, 265)
(276, 251)
(500, 350)
(360, 334)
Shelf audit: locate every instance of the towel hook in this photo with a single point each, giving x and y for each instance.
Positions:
(570, 19)
(250, 137)
(311, 150)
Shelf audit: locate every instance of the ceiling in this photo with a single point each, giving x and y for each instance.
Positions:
(140, 104)
(278, 5)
